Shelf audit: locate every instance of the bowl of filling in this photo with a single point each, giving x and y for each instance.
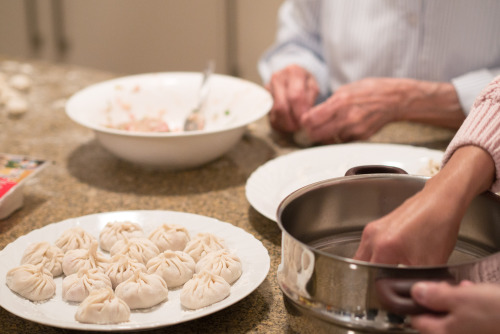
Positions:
(140, 118)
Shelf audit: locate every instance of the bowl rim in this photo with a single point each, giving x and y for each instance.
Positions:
(103, 129)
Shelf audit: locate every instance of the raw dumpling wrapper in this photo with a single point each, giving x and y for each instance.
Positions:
(77, 259)
(170, 237)
(115, 231)
(122, 268)
(102, 307)
(204, 289)
(74, 238)
(175, 267)
(142, 290)
(221, 263)
(203, 244)
(141, 249)
(33, 282)
(45, 252)
(76, 287)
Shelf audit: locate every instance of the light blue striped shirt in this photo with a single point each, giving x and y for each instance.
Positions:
(341, 41)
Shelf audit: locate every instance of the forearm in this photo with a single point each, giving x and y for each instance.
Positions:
(434, 103)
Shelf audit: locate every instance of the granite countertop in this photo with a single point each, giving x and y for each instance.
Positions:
(84, 179)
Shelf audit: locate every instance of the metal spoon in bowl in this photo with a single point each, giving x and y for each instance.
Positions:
(196, 120)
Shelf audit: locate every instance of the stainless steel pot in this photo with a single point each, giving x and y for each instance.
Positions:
(321, 228)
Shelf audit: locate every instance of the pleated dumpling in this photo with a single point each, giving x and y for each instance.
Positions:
(122, 268)
(204, 289)
(45, 252)
(142, 290)
(141, 249)
(74, 238)
(102, 307)
(203, 244)
(175, 267)
(76, 287)
(77, 259)
(33, 282)
(170, 237)
(222, 263)
(115, 231)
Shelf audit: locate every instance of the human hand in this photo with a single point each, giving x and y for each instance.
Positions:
(467, 308)
(294, 91)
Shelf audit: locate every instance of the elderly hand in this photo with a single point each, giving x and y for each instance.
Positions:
(294, 91)
(467, 308)
(360, 109)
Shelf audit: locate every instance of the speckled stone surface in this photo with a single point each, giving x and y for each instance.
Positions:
(83, 179)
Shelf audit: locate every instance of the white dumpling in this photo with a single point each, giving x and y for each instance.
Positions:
(122, 268)
(170, 237)
(204, 289)
(74, 238)
(221, 263)
(115, 231)
(77, 259)
(141, 249)
(48, 254)
(142, 290)
(203, 244)
(102, 307)
(33, 282)
(76, 287)
(175, 267)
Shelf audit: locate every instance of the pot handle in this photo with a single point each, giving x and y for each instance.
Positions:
(394, 295)
(374, 169)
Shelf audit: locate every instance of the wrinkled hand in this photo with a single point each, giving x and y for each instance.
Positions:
(468, 308)
(356, 111)
(294, 91)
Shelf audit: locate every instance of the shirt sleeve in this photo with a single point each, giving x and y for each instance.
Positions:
(298, 42)
(482, 128)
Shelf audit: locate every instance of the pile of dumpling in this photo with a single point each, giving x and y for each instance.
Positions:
(137, 273)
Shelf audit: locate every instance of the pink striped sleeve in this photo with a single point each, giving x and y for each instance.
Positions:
(482, 128)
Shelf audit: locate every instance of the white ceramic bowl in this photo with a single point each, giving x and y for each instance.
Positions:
(232, 104)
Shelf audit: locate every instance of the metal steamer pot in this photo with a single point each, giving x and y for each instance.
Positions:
(321, 229)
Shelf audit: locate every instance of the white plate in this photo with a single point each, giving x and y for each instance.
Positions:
(55, 312)
(276, 179)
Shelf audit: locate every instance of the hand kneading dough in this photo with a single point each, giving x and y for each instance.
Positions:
(102, 307)
(74, 238)
(221, 263)
(122, 268)
(175, 267)
(170, 237)
(115, 231)
(142, 290)
(76, 287)
(204, 289)
(141, 249)
(33, 282)
(45, 252)
(77, 259)
(203, 244)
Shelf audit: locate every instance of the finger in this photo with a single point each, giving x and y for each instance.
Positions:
(280, 114)
(435, 296)
(298, 95)
(429, 324)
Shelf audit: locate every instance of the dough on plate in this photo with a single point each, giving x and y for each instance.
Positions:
(115, 231)
(45, 252)
(170, 237)
(33, 282)
(76, 287)
(222, 263)
(141, 249)
(74, 238)
(175, 267)
(122, 268)
(204, 289)
(203, 244)
(142, 290)
(77, 259)
(102, 307)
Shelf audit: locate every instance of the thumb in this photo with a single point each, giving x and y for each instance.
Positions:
(438, 297)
